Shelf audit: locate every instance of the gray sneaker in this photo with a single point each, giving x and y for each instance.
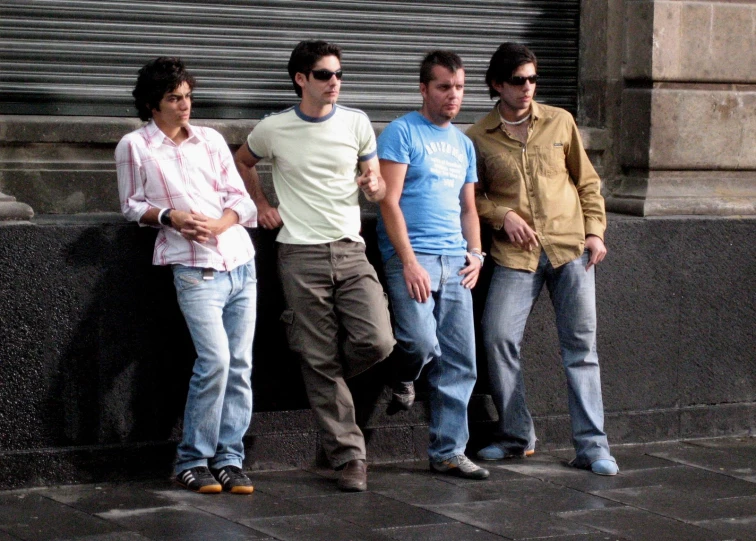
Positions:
(403, 394)
(460, 466)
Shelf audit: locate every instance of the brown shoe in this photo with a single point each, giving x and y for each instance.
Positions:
(354, 476)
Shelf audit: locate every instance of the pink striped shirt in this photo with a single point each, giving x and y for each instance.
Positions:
(197, 175)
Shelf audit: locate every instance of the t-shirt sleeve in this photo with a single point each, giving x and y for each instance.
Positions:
(258, 140)
(472, 168)
(366, 137)
(393, 143)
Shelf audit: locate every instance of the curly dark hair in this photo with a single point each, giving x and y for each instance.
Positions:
(157, 77)
(507, 58)
(305, 55)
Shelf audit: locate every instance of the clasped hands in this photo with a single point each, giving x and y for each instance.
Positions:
(196, 227)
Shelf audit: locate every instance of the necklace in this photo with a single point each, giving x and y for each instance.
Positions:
(516, 123)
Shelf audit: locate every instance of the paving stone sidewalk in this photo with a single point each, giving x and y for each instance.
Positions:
(682, 491)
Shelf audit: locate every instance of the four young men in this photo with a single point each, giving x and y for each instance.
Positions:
(536, 184)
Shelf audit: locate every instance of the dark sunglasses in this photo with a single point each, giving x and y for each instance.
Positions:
(517, 80)
(325, 75)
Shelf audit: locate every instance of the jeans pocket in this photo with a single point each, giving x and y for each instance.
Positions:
(251, 271)
(186, 278)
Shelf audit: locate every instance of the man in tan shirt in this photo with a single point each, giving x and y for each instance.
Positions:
(541, 197)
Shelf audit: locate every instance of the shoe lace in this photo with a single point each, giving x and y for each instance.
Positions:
(201, 472)
(233, 472)
(465, 464)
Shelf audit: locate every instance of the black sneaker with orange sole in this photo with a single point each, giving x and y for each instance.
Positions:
(234, 480)
(199, 479)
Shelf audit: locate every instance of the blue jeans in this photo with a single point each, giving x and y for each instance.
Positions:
(220, 314)
(441, 330)
(510, 300)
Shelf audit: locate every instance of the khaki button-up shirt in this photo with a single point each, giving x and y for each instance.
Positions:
(549, 182)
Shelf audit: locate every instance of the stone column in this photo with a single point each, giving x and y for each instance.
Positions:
(10, 209)
(688, 109)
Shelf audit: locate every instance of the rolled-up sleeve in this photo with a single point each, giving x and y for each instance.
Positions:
(130, 181)
(236, 197)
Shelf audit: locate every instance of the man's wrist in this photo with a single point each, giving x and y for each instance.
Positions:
(479, 254)
(164, 217)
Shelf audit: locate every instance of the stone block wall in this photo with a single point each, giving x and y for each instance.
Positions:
(674, 83)
(95, 357)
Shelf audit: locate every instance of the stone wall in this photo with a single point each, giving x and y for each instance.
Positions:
(95, 357)
(673, 81)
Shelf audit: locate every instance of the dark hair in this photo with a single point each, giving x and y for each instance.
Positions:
(157, 77)
(507, 58)
(305, 55)
(447, 59)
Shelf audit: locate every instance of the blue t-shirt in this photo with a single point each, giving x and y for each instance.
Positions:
(440, 161)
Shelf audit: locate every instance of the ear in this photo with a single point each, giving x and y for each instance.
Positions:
(423, 90)
(498, 87)
(300, 78)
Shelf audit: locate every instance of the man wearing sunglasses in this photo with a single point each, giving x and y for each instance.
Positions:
(429, 237)
(323, 154)
(541, 198)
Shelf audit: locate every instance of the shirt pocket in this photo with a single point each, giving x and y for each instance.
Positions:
(551, 159)
(503, 173)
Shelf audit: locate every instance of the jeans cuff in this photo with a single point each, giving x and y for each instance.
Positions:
(226, 462)
(187, 465)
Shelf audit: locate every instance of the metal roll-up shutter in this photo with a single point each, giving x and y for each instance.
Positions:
(80, 57)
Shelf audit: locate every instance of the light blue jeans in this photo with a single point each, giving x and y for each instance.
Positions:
(441, 330)
(510, 300)
(220, 314)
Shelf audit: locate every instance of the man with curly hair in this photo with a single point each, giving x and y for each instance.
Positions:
(181, 179)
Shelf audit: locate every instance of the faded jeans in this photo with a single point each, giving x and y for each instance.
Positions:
(573, 295)
(220, 314)
(438, 332)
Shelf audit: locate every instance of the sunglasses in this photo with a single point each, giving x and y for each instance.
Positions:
(517, 80)
(325, 75)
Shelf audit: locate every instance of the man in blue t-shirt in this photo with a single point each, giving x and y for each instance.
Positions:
(429, 237)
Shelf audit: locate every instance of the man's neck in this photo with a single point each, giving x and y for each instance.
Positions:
(440, 122)
(513, 115)
(315, 111)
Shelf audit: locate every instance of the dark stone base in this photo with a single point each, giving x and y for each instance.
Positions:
(95, 357)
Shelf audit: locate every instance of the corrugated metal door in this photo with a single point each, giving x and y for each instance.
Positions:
(80, 57)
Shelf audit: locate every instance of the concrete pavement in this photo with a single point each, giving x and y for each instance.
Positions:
(682, 491)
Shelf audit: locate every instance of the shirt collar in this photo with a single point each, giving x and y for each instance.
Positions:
(492, 121)
(156, 137)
